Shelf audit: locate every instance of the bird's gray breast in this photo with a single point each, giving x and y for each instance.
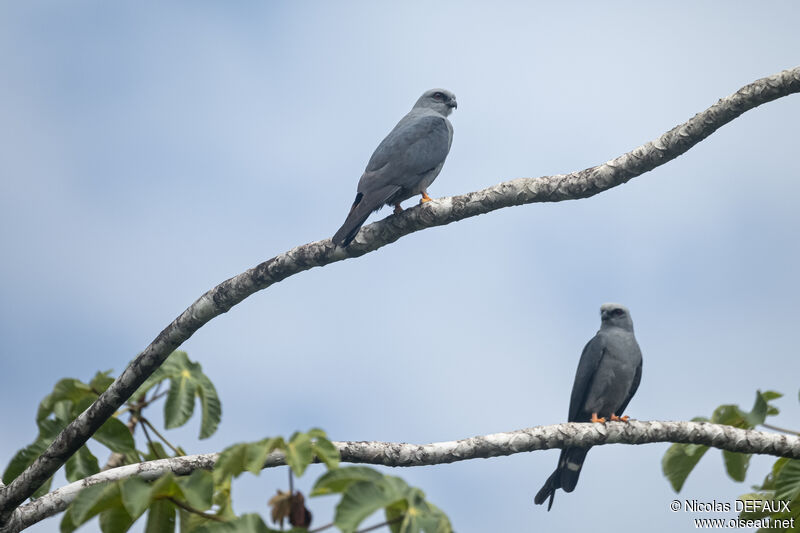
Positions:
(411, 156)
(614, 377)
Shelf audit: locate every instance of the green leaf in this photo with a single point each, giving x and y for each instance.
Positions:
(679, 461)
(48, 430)
(736, 464)
(326, 451)
(222, 499)
(180, 400)
(757, 511)
(115, 520)
(94, 499)
(65, 411)
(298, 453)
(198, 489)
(436, 521)
(82, 464)
(67, 524)
(160, 517)
(135, 493)
(101, 381)
(210, 404)
(245, 457)
(189, 522)
(23, 459)
(155, 450)
(397, 517)
(787, 482)
(116, 436)
(187, 381)
(166, 487)
(316, 433)
(417, 515)
(729, 415)
(759, 412)
(338, 480)
(159, 375)
(363, 498)
(67, 390)
(771, 395)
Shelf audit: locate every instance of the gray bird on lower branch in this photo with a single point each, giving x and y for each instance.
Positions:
(607, 378)
(405, 163)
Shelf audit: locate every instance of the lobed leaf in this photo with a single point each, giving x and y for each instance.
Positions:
(787, 481)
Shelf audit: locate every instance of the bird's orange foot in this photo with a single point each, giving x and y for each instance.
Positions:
(616, 418)
(425, 198)
(397, 209)
(596, 420)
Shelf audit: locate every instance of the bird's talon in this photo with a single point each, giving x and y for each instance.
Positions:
(596, 420)
(425, 198)
(616, 418)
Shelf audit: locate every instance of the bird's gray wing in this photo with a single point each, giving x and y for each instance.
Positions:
(591, 356)
(418, 144)
(637, 377)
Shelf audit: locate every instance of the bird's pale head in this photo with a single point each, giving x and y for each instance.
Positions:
(615, 315)
(440, 100)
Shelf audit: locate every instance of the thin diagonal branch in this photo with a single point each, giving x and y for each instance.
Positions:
(782, 430)
(223, 297)
(402, 454)
(146, 422)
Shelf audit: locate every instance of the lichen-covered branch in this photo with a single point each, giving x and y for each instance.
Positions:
(220, 299)
(402, 454)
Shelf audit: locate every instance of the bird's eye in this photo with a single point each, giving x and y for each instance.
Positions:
(438, 96)
(617, 312)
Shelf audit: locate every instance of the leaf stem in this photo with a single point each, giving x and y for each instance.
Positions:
(146, 422)
(782, 430)
(150, 442)
(188, 508)
(376, 526)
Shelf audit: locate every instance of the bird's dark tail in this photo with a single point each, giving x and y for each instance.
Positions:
(360, 211)
(355, 218)
(565, 476)
(549, 489)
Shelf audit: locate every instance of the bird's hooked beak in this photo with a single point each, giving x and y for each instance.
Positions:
(452, 104)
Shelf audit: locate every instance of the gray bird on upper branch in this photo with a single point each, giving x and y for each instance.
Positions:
(405, 163)
(607, 378)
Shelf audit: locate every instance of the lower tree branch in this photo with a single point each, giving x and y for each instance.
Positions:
(220, 299)
(402, 454)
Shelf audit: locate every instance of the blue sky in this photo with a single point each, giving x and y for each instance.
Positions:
(149, 151)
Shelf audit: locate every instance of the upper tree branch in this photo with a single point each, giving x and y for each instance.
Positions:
(220, 299)
(402, 454)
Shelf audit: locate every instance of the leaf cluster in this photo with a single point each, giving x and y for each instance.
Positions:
(782, 483)
(202, 502)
